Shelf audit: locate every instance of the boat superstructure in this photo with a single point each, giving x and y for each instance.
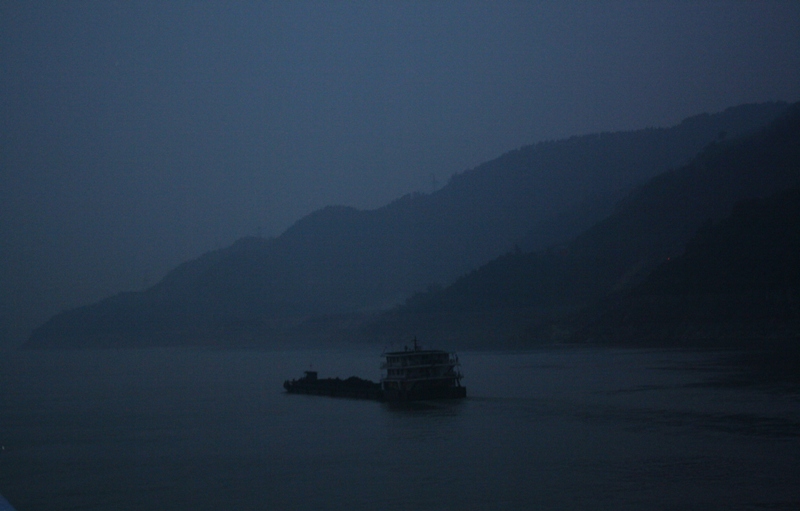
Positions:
(416, 373)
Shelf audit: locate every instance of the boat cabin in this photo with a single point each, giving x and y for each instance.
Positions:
(421, 374)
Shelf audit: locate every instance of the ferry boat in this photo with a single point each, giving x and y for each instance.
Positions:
(409, 375)
(415, 374)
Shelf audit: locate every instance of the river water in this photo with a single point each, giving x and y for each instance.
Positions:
(549, 429)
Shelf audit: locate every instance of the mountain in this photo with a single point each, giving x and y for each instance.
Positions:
(338, 261)
(738, 283)
(538, 296)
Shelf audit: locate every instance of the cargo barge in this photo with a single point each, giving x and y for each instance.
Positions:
(413, 374)
(353, 387)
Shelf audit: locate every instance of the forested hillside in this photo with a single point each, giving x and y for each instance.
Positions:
(538, 296)
(738, 284)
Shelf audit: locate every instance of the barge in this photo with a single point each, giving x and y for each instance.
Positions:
(353, 387)
(413, 374)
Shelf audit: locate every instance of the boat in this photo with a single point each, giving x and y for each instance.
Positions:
(417, 374)
(413, 374)
(353, 387)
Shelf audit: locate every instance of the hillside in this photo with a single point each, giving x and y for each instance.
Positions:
(534, 297)
(737, 284)
(340, 260)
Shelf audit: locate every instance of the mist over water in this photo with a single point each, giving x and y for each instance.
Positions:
(367, 155)
(549, 429)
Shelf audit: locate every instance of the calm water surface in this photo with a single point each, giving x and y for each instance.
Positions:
(183, 429)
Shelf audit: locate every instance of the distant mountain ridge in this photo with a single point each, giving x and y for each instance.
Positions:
(340, 260)
(528, 297)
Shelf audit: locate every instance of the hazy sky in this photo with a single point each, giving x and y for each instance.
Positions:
(136, 135)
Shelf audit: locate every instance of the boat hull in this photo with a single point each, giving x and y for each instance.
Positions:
(370, 390)
(424, 394)
(334, 387)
